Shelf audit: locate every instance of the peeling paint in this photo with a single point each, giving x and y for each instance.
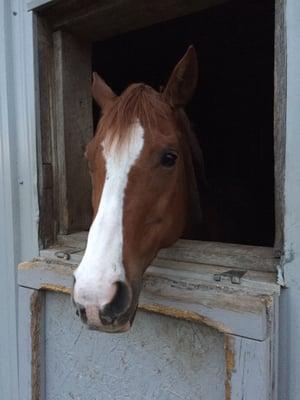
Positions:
(56, 288)
(35, 310)
(289, 254)
(185, 315)
(287, 258)
(26, 265)
(280, 275)
(230, 364)
(158, 309)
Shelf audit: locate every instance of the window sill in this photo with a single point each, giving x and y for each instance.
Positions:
(178, 285)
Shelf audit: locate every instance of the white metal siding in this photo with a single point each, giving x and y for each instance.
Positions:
(18, 191)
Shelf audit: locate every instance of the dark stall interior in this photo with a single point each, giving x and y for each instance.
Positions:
(232, 109)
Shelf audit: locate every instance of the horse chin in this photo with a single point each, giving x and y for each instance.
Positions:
(118, 327)
(111, 329)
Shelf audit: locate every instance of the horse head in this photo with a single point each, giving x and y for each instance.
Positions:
(139, 166)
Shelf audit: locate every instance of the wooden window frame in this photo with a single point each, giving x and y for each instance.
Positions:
(181, 281)
(65, 94)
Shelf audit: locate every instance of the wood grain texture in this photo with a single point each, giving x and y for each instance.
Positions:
(117, 16)
(248, 372)
(223, 254)
(45, 136)
(36, 345)
(254, 258)
(74, 129)
(252, 366)
(237, 309)
(191, 260)
(280, 103)
(31, 344)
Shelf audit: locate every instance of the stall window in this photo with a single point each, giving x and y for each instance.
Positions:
(231, 112)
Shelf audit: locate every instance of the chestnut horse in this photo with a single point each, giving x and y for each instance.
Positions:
(142, 166)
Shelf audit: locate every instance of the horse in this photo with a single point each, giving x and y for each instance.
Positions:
(144, 163)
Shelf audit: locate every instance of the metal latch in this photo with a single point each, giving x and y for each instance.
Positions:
(235, 275)
(66, 255)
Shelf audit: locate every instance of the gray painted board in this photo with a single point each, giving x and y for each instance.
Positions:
(251, 376)
(31, 344)
(32, 4)
(229, 309)
(289, 352)
(160, 358)
(18, 196)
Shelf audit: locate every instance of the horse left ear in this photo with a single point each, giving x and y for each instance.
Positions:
(101, 92)
(183, 80)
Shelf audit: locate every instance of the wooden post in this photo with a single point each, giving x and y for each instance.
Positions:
(31, 344)
(280, 90)
(74, 129)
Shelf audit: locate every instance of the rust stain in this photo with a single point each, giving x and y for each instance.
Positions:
(230, 364)
(26, 265)
(55, 288)
(35, 332)
(185, 315)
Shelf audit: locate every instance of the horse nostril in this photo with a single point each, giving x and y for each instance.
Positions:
(119, 304)
(121, 300)
(106, 319)
(81, 311)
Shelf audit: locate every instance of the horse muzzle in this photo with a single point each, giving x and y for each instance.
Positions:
(114, 317)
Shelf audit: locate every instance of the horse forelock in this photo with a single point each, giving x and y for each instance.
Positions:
(139, 102)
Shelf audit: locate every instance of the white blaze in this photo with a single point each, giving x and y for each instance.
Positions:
(102, 263)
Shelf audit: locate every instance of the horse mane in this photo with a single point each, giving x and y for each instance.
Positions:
(138, 102)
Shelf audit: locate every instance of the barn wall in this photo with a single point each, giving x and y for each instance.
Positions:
(18, 195)
(290, 298)
(160, 358)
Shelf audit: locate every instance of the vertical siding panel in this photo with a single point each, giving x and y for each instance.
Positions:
(18, 196)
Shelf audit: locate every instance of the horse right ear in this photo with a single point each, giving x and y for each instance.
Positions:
(183, 80)
(101, 92)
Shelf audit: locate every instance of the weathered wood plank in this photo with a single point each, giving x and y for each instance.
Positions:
(46, 157)
(222, 254)
(226, 307)
(117, 17)
(249, 375)
(74, 129)
(31, 336)
(227, 255)
(280, 96)
(254, 281)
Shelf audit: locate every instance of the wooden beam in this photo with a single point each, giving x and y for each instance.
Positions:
(248, 369)
(45, 135)
(100, 20)
(254, 258)
(280, 98)
(237, 309)
(74, 129)
(31, 344)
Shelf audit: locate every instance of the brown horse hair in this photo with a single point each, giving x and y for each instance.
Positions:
(138, 102)
(141, 102)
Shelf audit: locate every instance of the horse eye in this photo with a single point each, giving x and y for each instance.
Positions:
(168, 159)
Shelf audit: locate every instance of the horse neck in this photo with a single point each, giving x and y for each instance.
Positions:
(203, 220)
(195, 178)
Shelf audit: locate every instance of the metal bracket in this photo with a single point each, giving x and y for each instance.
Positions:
(66, 255)
(235, 276)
